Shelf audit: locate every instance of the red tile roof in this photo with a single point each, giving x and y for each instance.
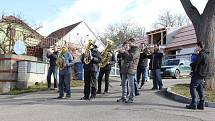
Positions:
(19, 21)
(58, 34)
(186, 36)
(55, 36)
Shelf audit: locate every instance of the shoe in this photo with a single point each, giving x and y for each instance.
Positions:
(68, 96)
(191, 107)
(160, 88)
(105, 92)
(137, 94)
(154, 88)
(85, 98)
(129, 101)
(92, 97)
(200, 107)
(121, 100)
(59, 97)
(98, 92)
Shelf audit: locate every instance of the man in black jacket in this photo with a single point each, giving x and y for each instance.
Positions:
(90, 70)
(142, 65)
(52, 67)
(200, 71)
(155, 66)
(106, 70)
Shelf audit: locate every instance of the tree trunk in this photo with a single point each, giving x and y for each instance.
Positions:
(205, 32)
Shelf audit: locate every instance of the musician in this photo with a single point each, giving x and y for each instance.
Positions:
(142, 66)
(106, 70)
(130, 57)
(65, 73)
(155, 66)
(90, 70)
(52, 67)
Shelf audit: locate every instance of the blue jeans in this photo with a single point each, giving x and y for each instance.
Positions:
(52, 70)
(128, 78)
(197, 84)
(146, 73)
(64, 83)
(157, 81)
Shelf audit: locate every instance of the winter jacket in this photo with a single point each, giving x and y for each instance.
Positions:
(201, 65)
(96, 59)
(69, 63)
(155, 60)
(143, 60)
(53, 57)
(130, 60)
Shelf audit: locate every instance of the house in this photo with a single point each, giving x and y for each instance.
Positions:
(183, 43)
(13, 29)
(175, 42)
(76, 35)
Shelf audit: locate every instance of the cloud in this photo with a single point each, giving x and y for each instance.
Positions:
(100, 13)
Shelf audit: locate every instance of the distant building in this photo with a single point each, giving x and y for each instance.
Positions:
(175, 42)
(13, 29)
(75, 35)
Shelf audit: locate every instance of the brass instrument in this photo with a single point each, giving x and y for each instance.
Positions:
(87, 53)
(61, 60)
(106, 56)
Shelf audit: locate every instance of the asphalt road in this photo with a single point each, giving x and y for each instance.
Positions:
(149, 106)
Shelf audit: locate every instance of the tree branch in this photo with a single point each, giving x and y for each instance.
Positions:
(192, 12)
(209, 10)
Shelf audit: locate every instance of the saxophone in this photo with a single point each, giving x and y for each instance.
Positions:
(87, 53)
(61, 60)
(106, 56)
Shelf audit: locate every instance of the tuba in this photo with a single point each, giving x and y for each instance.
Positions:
(87, 53)
(61, 60)
(106, 56)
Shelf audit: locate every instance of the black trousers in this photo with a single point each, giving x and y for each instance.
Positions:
(101, 74)
(90, 83)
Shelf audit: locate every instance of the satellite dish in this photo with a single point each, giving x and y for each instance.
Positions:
(19, 47)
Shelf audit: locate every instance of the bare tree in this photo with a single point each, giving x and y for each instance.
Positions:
(168, 19)
(122, 31)
(204, 25)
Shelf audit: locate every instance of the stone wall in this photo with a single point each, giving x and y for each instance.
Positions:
(30, 72)
(9, 70)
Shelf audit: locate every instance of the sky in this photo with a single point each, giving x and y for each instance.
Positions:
(98, 14)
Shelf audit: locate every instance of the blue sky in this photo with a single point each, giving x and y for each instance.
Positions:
(98, 14)
(34, 10)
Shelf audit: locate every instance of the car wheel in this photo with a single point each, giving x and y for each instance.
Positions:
(177, 74)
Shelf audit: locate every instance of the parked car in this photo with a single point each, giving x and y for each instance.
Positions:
(175, 68)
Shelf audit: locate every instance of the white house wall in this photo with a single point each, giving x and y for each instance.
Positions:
(80, 35)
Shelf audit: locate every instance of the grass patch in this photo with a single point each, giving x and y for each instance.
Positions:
(40, 87)
(33, 88)
(183, 89)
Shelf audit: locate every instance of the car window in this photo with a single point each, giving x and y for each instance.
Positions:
(171, 62)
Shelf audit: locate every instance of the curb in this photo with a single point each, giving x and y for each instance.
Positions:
(180, 98)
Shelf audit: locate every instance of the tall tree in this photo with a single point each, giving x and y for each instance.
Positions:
(122, 31)
(204, 25)
(168, 19)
